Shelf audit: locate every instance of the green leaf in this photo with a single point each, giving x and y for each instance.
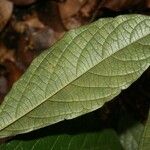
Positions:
(131, 138)
(132, 130)
(145, 140)
(86, 68)
(134, 108)
(100, 140)
(83, 133)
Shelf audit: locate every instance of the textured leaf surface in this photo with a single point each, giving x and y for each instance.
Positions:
(145, 140)
(86, 68)
(136, 137)
(131, 138)
(106, 139)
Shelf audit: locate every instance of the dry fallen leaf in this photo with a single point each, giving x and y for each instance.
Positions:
(148, 3)
(30, 21)
(14, 72)
(70, 7)
(23, 2)
(6, 8)
(118, 5)
(5, 53)
(75, 13)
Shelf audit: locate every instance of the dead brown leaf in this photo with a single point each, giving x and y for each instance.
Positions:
(23, 2)
(118, 5)
(6, 54)
(6, 8)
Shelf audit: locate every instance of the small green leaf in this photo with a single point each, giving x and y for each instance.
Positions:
(106, 139)
(145, 140)
(86, 68)
(130, 139)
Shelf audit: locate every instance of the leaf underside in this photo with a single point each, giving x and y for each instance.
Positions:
(145, 140)
(86, 68)
(106, 139)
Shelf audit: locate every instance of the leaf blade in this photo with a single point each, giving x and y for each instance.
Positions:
(99, 140)
(145, 138)
(50, 91)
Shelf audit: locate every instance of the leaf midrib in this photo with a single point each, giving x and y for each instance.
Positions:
(71, 82)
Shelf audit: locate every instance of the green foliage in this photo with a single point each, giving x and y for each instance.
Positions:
(86, 68)
(106, 139)
(89, 132)
(145, 140)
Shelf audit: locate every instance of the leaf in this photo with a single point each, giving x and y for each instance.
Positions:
(132, 113)
(132, 130)
(130, 139)
(86, 68)
(101, 140)
(145, 140)
(84, 133)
